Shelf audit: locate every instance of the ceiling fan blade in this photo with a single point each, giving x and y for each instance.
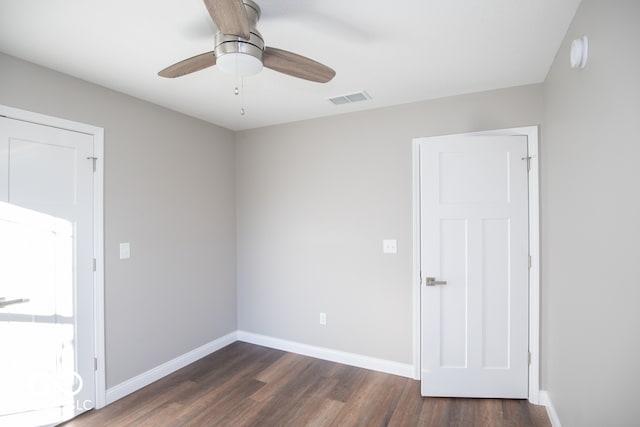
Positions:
(190, 65)
(230, 17)
(296, 65)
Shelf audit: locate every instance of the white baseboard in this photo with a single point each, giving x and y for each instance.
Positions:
(387, 366)
(545, 400)
(136, 383)
(139, 381)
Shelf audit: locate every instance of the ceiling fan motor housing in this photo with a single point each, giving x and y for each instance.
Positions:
(254, 46)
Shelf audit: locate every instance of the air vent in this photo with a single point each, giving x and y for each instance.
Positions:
(348, 99)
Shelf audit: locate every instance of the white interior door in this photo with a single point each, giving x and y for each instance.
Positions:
(474, 240)
(46, 274)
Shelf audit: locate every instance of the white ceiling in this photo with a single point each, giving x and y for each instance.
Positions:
(398, 51)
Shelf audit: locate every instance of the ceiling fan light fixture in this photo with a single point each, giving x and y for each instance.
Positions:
(238, 56)
(239, 64)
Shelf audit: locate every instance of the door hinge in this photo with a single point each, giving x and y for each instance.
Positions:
(94, 162)
(94, 264)
(529, 262)
(529, 358)
(95, 363)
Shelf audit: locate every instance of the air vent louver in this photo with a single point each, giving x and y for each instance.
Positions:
(348, 99)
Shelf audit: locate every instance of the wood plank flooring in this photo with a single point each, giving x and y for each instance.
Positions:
(248, 385)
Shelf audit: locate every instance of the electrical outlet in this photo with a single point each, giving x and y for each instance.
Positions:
(390, 246)
(323, 318)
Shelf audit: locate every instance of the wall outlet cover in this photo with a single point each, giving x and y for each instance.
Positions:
(390, 246)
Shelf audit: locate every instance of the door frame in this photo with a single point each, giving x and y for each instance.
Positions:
(98, 229)
(531, 132)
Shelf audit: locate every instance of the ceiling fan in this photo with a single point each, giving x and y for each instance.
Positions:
(240, 50)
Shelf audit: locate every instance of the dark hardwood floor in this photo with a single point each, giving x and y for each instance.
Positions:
(248, 385)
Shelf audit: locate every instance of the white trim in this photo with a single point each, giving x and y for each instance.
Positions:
(43, 119)
(98, 254)
(381, 365)
(534, 273)
(531, 132)
(139, 381)
(416, 260)
(545, 400)
(98, 227)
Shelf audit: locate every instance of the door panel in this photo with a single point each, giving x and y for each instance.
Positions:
(477, 178)
(474, 236)
(46, 253)
(453, 324)
(495, 293)
(42, 173)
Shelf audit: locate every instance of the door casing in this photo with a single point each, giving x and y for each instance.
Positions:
(98, 228)
(531, 132)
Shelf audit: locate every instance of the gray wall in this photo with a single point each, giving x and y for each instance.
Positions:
(169, 191)
(590, 221)
(315, 199)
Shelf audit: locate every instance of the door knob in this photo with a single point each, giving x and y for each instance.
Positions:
(431, 281)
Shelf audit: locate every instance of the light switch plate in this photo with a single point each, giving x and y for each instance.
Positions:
(390, 246)
(125, 251)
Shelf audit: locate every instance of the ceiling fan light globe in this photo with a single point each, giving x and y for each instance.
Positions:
(239, 64)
